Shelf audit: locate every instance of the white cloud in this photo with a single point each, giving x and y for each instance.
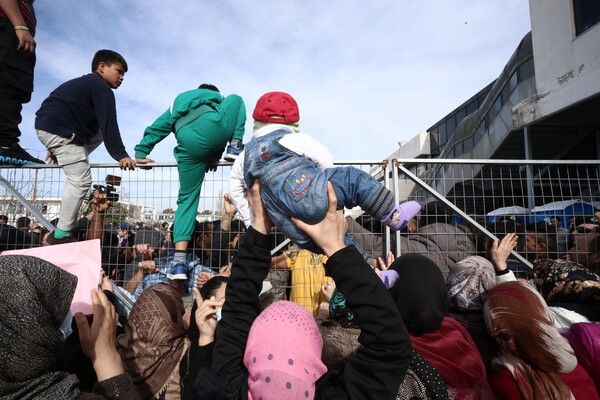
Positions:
(365, 75)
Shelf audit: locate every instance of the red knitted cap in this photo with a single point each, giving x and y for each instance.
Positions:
(277, 107)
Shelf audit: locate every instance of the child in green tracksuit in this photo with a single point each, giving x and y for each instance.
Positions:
(203, 122)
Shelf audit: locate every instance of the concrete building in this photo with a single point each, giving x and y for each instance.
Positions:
(543, 106)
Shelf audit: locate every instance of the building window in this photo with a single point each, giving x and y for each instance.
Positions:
(472, 107)
(450, 126)
(526, 70)
(460, 115)
(586, 14)
(468, 144)
(479, 132)
(443, 134)
(496, 106)
(511, 84)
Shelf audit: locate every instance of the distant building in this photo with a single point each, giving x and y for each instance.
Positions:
(543, 105)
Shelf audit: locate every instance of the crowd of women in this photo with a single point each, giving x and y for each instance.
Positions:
(408, 331)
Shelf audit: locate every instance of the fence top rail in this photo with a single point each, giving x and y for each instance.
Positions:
(351, 162)
(174, 164)
(503, 162)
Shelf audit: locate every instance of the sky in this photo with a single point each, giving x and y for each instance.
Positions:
(366, 75)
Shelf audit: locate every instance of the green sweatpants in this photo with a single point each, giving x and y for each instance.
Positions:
(196, 144)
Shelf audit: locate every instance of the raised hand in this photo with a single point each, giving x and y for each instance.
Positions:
(206, 317)
(262, 223)
(501, 250)
(98, 341)
(329, 233)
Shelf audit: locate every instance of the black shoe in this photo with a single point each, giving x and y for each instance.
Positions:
(51, 240)
(15, 155)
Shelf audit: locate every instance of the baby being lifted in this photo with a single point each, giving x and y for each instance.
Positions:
(293, 170)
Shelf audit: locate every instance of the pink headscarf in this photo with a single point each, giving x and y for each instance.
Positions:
(283, 353)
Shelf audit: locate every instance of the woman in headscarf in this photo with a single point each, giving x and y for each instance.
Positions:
(421, 297)
(154, 342)
(535, 361)
(34, 304)
(277, 355)
(468, 282)
(569, 285)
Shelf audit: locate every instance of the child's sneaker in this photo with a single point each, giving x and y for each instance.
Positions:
(177, 270)
(16, 155)
(233, 150)
(52, 240)
(399, 216)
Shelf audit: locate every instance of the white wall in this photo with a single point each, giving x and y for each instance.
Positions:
(567, 68)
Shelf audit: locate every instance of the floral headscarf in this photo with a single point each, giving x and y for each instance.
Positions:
(469, 281)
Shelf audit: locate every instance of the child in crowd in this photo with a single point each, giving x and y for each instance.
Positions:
(294, 169)
(72, 122)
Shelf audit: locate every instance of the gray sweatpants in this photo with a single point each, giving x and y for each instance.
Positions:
(75, 162)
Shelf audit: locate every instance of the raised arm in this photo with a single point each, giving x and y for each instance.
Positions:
(227, 376)
(160, 129)
(381, 362)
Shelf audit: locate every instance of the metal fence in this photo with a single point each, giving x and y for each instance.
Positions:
(462, 198)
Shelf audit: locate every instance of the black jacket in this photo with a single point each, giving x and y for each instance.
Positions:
(216, 371)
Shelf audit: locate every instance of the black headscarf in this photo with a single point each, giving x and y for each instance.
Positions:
(35, 297)
(420, 293)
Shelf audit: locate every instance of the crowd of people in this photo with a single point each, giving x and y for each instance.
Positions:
(208, 310)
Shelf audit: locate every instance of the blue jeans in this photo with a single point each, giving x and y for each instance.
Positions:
(293, 186)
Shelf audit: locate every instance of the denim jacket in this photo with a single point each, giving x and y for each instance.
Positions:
(291, 185)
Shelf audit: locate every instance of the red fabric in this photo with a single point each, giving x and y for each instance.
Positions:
(452, 353)
(579, 382)
(276, 107)
(584, 337)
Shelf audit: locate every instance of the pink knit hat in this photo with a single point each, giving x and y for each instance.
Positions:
(283, 353)
(276, 107)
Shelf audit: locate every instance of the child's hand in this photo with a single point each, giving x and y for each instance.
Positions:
(127, 164)
(213, 163)
(329, 233)
(143, 161)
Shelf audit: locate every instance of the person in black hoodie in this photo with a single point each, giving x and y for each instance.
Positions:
(219, 368)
